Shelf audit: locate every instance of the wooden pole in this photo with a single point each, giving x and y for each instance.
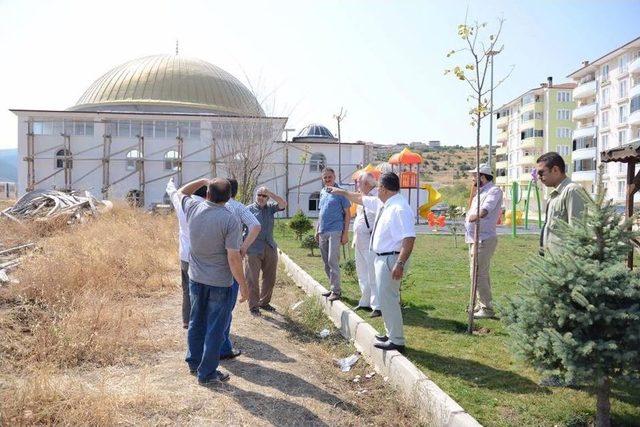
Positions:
(66, 163)
(141, 179)
(631, 171)
(106, 154)
(213, 159)
(180, 152)
(31, 175)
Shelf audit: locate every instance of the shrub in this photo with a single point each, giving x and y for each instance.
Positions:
(348, 267)
(300, 224)
(309, 242)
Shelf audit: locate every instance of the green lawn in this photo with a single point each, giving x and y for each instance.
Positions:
(477, 371)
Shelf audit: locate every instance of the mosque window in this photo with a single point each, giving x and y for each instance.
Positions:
(147, 129)
(132, 159)
(171, 160)
(314, 201)
(124, 128)
(172, 129)
(317, 162)
(136, 128)
(160, 129)
(60, 158)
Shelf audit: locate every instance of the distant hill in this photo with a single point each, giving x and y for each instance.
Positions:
(445, 165)
(9, 164)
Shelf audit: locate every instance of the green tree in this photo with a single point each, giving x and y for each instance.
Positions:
(300, 224)
(579, 314)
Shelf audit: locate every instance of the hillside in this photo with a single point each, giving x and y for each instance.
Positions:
(443, 166)
(8, 164)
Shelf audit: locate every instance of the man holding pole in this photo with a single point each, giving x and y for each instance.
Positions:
(489, 197)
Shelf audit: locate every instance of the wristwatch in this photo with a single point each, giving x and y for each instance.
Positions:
(400, 263)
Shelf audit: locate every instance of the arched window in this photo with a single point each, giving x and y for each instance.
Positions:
(132, 160)
(314, 202)
(317, 162)
(171, 160)
(60, 159)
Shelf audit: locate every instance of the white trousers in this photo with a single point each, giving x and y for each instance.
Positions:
(389, 296)
(367, 278)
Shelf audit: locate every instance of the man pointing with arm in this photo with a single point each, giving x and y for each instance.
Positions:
(392, 242)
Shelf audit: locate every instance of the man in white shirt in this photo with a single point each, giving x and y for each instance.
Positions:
(183, 235)
(392, 241)
(362, 228)
(490, 198)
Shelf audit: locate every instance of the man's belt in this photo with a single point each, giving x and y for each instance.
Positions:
(388, 253)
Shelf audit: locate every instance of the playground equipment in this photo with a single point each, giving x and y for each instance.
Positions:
(532, 184)
(407, 164)
(435, 221)
(433, 199)
(508, 218)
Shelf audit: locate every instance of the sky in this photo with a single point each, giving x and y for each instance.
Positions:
(382, 61)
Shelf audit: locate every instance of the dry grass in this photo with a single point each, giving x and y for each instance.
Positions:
(80, 301)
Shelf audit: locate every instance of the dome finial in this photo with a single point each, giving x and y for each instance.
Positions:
(176, 46)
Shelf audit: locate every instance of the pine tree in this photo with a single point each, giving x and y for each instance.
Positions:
(579, 317)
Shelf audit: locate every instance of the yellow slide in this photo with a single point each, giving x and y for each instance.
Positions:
(434, 199)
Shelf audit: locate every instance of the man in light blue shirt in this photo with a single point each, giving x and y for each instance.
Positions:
(332, 231)
(490, 199)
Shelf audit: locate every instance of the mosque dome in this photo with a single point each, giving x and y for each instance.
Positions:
(169, 83)
(315, 132)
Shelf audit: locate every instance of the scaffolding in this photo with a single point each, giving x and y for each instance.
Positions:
(67, 159)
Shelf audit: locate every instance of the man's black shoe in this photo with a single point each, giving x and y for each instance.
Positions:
(388, 345)
(217, 378)
(193, 372)
(268, 307)
(375, 313)
(361, 307)
(333, 297)
(234, 353)
(255, 312)
(326, 294)
(382, 338)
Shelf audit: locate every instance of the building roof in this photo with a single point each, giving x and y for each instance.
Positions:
(315, 132)
(169, 83)
(604, 58)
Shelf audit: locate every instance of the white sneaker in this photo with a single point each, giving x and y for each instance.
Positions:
(484, 314)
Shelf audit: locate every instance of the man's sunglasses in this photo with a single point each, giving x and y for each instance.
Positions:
(540, 172)
(262, 195)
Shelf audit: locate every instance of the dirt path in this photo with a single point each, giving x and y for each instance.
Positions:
(280, 379)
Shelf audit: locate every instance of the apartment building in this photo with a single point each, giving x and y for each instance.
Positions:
(535, 122)
(607, 115)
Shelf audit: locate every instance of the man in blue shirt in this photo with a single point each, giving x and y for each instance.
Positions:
(332, 231)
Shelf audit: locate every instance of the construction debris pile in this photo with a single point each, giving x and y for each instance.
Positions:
(42, 205)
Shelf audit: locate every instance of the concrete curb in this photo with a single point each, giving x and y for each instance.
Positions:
(434, 405)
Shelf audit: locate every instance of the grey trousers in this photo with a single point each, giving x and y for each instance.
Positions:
(389, 297)
(186, 302)
(486, 248)
(267, 262)
(330, 251)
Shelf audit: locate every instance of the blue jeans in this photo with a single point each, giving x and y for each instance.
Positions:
(209, 314)
(227, 347)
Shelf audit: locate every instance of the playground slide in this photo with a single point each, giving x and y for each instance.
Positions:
(434, 199)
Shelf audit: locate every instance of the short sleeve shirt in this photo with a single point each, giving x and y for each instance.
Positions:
(213, 229)
(265, 216)
(332, 209)
(566, 203)
(395, 221)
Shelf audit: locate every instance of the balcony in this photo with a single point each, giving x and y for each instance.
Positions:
(533, 142)
(501, 180)
(584, 132)
(584, 176)
(634, 66)
(528, 160)
(533, 123)
(502, 122)
(535, 106)
(634, 118)
(585, 90)
(503, 164)
(502, 150)
(585, 112)
(502, 137)
(635, 90)
(584, 153)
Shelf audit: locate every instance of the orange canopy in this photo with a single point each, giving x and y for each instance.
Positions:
(370, 169)
(405, 157)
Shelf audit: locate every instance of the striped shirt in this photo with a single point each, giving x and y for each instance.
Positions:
(242, 213)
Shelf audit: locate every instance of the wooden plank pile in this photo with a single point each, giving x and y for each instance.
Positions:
(10, 258)
(43, 205)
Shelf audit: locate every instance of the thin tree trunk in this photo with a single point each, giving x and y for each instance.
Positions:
(476, 230)
(603, 411)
